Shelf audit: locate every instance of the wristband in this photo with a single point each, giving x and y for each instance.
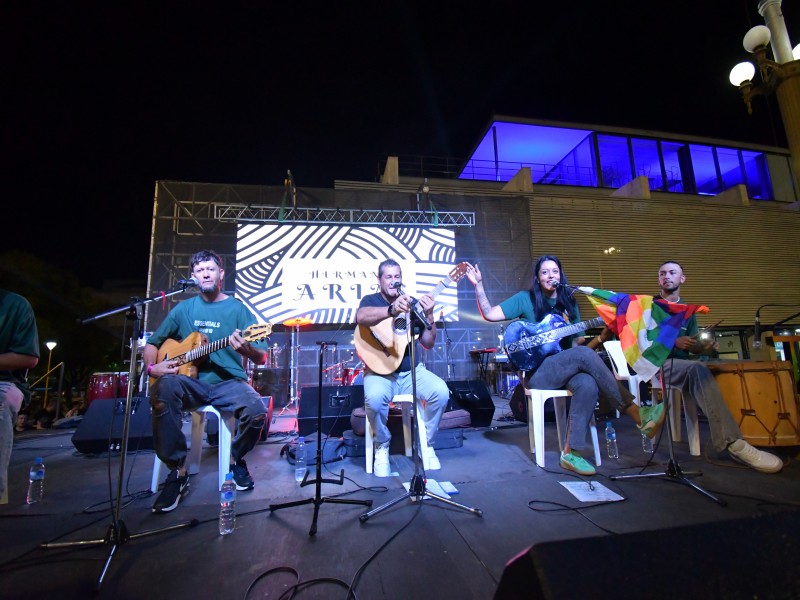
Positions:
(150, 369)
(391, 310)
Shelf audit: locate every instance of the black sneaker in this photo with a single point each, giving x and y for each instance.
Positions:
(242, 476)
(173, 490)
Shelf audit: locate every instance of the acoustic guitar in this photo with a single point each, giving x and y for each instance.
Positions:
(528, 344)
(196, 346)
(383, 345)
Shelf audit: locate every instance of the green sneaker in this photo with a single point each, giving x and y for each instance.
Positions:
(575, 462)
(652, 419)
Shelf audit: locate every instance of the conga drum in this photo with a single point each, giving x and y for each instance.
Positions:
(761, 397)
(107, 385)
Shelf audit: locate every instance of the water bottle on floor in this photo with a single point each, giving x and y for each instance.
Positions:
(611, 441)
(300, 459)
(36, 481)
(227, 506)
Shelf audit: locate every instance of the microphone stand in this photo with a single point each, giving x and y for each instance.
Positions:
(318, 499)
(673, 470)
(416, 488)
(117, 533)
(447, 356)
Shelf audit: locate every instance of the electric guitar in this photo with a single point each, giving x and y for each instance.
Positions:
(528, 344)
(196, 346)
(383, 345)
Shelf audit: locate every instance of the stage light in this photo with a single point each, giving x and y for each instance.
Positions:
(50, 346)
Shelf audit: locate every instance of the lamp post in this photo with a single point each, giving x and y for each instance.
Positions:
(50, 346)
(780, 75)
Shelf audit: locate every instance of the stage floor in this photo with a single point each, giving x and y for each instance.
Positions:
(421, 550)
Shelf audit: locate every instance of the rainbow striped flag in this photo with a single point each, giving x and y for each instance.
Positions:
(646, 326)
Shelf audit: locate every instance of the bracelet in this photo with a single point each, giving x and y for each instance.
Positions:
(391, 310)
(150, 369)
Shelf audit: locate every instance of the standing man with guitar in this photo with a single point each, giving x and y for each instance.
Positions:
(218, 378)
(573, 364)
(381, 338)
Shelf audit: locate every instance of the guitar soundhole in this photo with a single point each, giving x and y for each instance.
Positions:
(401, 324)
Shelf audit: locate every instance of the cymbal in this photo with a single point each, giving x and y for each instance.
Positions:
(297, 322)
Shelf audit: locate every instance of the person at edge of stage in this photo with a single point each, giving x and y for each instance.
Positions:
(695, 381)
(379, 389)
(576, 367)
(221, 379)
(19, 352)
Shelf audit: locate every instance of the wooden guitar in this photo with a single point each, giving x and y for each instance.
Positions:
(196, 346)
(383, 345)
(528, 344)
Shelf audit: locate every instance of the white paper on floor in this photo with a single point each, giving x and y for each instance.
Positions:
(597, 493)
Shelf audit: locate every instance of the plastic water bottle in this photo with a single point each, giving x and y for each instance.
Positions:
(36, 481)
(647, 444)
(611, 441)
(227, 506)
(300, 459)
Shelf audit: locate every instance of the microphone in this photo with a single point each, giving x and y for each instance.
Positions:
(191, 282)
(397, 285)
(757, 331)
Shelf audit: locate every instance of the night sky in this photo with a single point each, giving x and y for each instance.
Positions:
(99, 103)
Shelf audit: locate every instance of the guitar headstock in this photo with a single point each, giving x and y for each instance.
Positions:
(254, 333)
(458, 271)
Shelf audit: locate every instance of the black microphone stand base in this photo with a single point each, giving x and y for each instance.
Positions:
(674, 472)
(318, 500)
(417, 492)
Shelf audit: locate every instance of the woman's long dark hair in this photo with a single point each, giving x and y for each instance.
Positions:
(565, 301)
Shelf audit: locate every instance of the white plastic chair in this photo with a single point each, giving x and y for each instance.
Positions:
(689, 410)
(405, 401)
(620, 368)
(536, 400)
(227, 426)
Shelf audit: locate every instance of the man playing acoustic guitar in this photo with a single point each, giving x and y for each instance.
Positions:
(219, 380)
(577, 368)
(384, 379)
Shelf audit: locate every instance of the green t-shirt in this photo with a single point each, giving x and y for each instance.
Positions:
(217, 320)
(519, 306)
(18, 334)
(688, 328)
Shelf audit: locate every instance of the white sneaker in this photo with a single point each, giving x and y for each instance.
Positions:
(430, 460)
(380, 467)
(752, 457)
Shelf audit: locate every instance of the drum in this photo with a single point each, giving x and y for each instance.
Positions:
(761, 397)
(107, 385)
(353, 376)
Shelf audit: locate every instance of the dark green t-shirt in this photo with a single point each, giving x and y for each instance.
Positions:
(18, 334)
(215, 319)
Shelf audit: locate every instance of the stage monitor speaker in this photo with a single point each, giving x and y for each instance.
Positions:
(697, 561)
(338, 401)
(272, 382)
(473, 396)
(101, 428)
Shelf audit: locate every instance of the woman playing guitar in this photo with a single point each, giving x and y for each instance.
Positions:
(571, 364)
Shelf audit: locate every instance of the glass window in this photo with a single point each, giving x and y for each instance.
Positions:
(615, 161)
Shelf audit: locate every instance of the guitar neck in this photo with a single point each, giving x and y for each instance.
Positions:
(562, 332)
(202, 351)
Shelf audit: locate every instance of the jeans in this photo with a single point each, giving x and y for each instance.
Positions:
(696, 382)
(172, 394)
(380, 389)
(581, 371)
(10, 403)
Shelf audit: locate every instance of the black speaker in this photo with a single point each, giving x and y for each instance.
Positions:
(101, 427)
(519, 406)
(754, 557)
(272, 382)
(338, 401)
(473, 396)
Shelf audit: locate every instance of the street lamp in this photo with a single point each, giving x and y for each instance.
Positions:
(781, 75)
(50, 346)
